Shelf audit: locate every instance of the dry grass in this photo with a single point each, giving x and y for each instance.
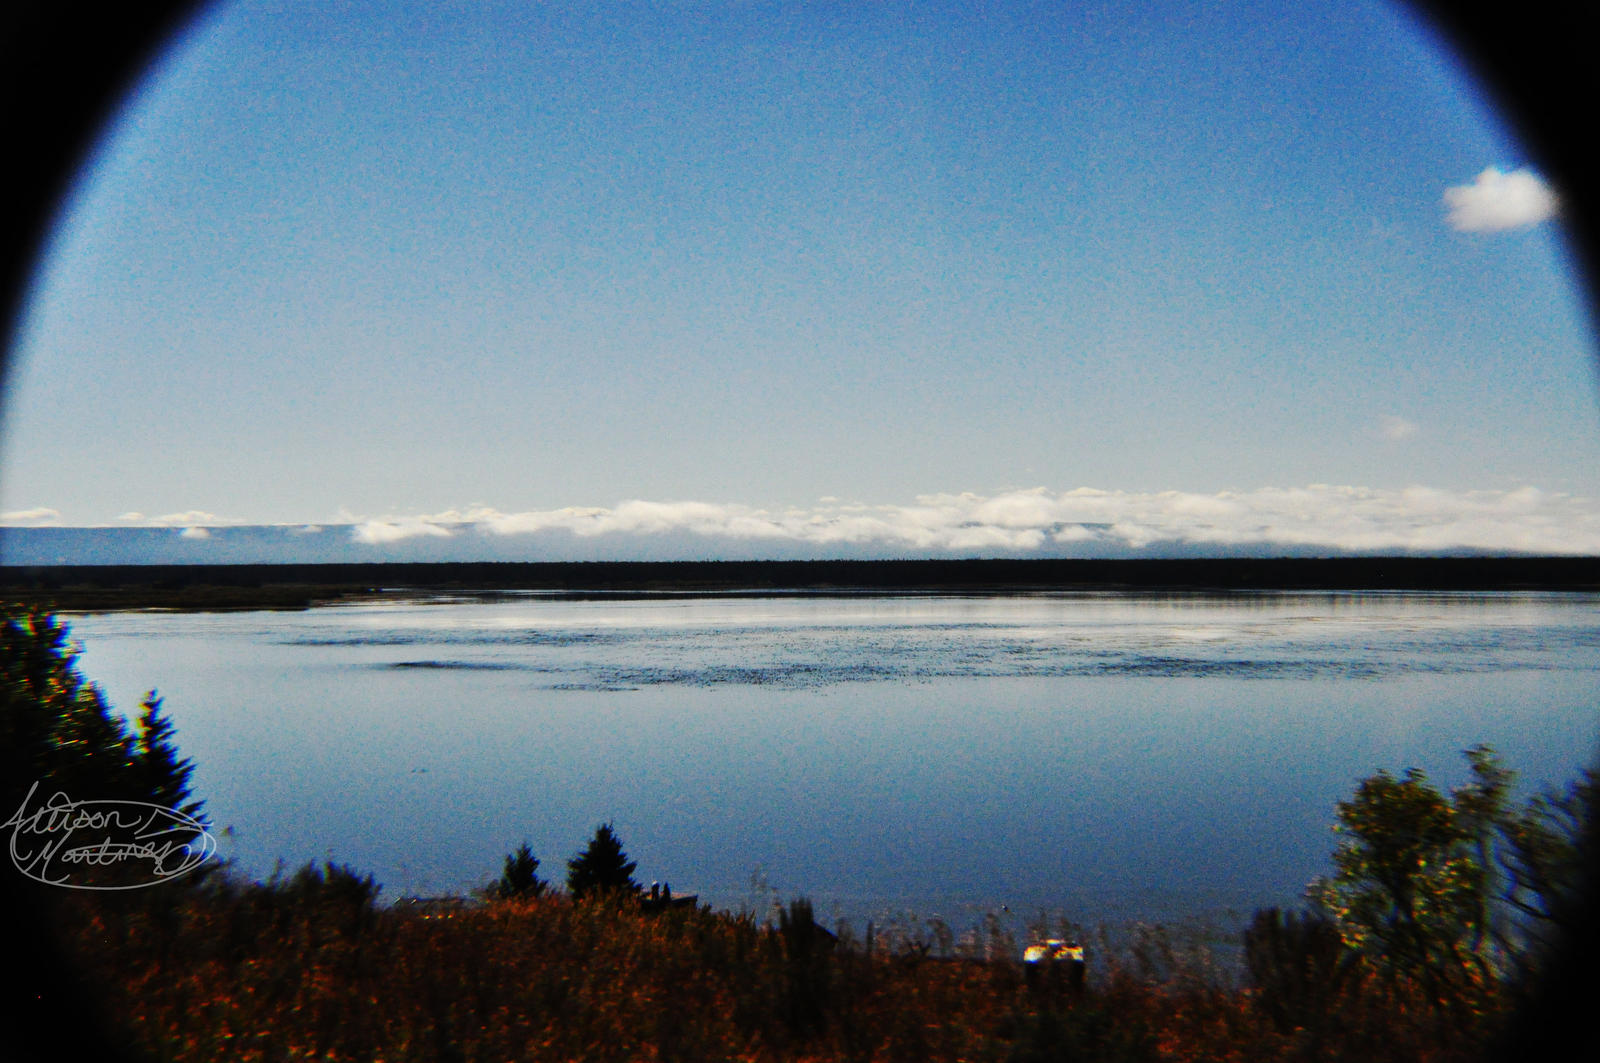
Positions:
(309, 968)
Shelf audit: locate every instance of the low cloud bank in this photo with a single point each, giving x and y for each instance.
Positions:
(1039, 521)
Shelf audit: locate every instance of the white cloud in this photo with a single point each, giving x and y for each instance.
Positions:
(393, 530)
(1498, 202)
(30, 517)
(1086, 521)
(1317, 517)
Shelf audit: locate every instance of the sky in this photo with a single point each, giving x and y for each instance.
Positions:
(706, 279)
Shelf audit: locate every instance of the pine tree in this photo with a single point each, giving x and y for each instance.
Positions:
(520, 879)
(58, 733)
(162, 774)
(601, 869)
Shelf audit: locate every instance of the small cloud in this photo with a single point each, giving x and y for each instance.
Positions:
(195, 532)
(1499, 202)
(30, 517)
(131, 515)
(1396, 428)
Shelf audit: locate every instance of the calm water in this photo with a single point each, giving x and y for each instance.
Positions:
(1102, 756)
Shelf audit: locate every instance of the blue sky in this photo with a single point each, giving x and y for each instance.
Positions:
(969, 277)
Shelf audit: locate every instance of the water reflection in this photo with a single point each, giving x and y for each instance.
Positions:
(1103, 754)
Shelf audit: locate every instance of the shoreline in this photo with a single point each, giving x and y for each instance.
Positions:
(107, 588)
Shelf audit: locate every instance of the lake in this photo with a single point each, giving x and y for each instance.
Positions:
(1103, 756)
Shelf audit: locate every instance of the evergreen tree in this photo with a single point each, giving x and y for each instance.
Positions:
(162, 773)
(520, 880)
(603, 868)
(58, 731)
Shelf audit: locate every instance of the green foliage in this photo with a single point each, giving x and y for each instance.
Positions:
(602, 869)
(57, 730)
(1436, 923)
(1414, 889)
(520, 879)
